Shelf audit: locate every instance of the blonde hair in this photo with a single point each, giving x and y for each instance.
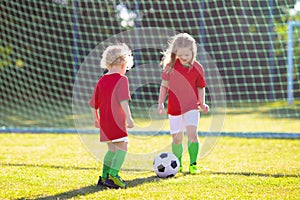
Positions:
(118, 54)
(181, 40)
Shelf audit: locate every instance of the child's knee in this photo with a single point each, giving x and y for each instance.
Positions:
(177, 138)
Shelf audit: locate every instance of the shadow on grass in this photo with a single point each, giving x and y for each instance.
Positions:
(84, 190)
(256, 174)
(93, 189)
(72, 193)
(47, 166)
(60, 167)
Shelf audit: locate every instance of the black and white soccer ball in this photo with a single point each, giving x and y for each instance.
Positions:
(166, 165)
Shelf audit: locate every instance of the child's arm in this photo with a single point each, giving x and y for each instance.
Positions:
(201, 96)
(126, 109)
(96, 118)
(162, 96)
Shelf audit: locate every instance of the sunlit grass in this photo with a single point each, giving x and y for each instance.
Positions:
(57, 166)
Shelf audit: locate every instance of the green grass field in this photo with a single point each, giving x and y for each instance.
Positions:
(57, 166)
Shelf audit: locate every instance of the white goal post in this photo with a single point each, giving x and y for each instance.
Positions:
(290, 63)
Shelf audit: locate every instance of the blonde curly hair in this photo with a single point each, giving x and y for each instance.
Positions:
(118, 54)
(181, 40)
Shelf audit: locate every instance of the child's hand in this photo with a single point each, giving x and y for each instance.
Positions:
(204, 107)
(160, 108)
(130, 123)
(97, 122)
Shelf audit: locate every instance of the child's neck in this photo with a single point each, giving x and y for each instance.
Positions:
(114, 70)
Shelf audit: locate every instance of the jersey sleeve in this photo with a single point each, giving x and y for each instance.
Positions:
(95, 101)
(123, 89)
(201, 76)
(201, 82)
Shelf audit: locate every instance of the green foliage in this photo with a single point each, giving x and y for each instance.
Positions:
(49, 57)
(5, 56)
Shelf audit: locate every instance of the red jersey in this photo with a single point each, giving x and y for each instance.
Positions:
(110, 90)
(183, 84)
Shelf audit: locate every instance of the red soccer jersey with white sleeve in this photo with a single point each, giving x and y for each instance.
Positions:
(110, 90)
(183, 84)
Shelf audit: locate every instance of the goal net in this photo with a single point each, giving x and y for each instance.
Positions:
(50, 53)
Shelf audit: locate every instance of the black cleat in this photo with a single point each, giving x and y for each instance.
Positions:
(100, 181)
(114, 182)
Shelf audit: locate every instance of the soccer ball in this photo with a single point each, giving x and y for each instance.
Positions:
(166, 165)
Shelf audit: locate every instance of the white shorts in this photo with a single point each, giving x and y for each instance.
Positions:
(179, 122)
(123, 139)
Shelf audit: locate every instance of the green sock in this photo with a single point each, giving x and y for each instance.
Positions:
(177, 150)
(193, 148)
(117, 162)
(107, 163)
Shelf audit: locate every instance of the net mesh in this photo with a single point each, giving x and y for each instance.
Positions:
(44, 43)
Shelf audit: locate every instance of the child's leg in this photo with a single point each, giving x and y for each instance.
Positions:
(113, 180)
(108, 160)
(176, 130)
(119, 157)
(193, 143)
(177, 147)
